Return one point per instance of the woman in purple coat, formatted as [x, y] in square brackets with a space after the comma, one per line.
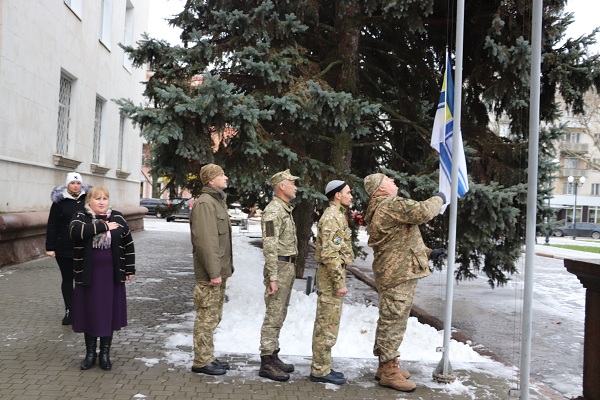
[104, 260]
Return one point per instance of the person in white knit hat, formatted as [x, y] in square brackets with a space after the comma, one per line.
[67, 199]
[333, 253]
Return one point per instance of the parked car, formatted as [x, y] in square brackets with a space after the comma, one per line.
[178, 209]
[236, 215]
[152, 205]
[586, 229]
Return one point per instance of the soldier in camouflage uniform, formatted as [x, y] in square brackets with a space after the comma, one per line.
[400, 260]
[213, 264]
[333, 253]
[280, 248]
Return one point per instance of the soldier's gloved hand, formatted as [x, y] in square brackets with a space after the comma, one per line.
[438, 254]
[442, 196]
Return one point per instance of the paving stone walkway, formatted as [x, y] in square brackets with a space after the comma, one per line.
[39, 358]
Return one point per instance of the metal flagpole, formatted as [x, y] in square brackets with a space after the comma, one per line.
[532, 182]
[443, 372]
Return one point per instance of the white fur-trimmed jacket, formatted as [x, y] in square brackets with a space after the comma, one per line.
[64, 206]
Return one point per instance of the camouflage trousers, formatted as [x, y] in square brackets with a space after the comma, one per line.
[276, 307]
[394, 309]
[208, 300]
[327, 325]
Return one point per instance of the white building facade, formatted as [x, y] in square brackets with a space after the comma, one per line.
[579, 157]
[61, 67]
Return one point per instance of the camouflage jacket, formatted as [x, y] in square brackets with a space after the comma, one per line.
[279, 235]
[398, 248]
[334, 244]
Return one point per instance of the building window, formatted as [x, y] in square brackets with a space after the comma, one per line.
[106, 22]
[76, 6]
[64, 108]
[121, 140]
[567, 188]
[571, 163]
[595, 189]
[593, 215]
[572, 137]
[97, 130]
[128, 36]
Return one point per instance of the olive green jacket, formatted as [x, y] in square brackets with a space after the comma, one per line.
[211, 236]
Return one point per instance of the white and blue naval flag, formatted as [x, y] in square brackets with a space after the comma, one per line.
[442, 138]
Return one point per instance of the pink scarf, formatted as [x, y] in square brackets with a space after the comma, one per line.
[101, 240]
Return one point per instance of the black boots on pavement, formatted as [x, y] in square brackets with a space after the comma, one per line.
[90, 352]
[104, 356]
[215, 367]
[273, 368]
[335, 377]
[67, 318]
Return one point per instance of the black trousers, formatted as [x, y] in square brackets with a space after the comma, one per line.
[66, 271]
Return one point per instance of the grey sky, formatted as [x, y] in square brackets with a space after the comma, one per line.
[586, 19]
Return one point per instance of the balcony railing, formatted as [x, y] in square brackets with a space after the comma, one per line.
[575, 172]
[568, 147]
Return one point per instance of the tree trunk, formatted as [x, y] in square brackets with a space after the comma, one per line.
[303, 216]
[341, 150]
[348, 41]
[156, 192]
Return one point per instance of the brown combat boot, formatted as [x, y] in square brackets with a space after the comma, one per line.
[391, 377]
[269, 370]
[403, 372]
[280, 364]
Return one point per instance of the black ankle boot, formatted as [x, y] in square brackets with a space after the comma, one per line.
[104, 355]
[67, 318]
[90, 352]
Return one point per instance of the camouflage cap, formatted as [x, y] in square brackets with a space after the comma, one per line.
[282, 176]
[210, 172]
[372, 183]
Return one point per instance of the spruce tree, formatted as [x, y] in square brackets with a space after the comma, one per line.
[340, 89]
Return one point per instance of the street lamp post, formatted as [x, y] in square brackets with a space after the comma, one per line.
[575, 185]
[555, 166]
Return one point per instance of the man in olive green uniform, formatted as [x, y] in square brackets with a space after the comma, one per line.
[400, 260]
[280, 248]
[213, 264]
[333, 253]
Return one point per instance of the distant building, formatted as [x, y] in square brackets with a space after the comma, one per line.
[61, 67]
[579, 156]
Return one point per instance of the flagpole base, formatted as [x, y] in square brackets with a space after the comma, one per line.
[440, 377]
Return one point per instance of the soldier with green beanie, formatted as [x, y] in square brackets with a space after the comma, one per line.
[333, 253]
[213, 264]
[400, 260]
[280, 248]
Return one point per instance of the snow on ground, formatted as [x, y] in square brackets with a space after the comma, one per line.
[239, 330]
